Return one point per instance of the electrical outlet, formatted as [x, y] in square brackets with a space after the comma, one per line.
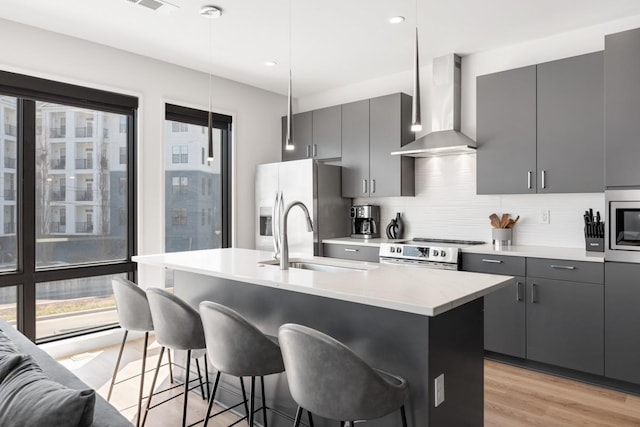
[439, 389]
[545, 216]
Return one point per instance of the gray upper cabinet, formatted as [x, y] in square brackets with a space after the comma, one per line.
[571, 125]
[371, 130]
[506, 132]
[327, 133]
[302, 136]
[390, 129]
[541, 128]
[355, 149]
[622, 103]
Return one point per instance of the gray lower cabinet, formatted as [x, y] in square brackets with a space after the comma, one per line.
[506, 132]
[622, 86]
[371, 130]
[622, 321]
[352, 252]
[565, 324]
[504, 309]
[505, 320]
[302, 136]
[570, 123]
[327, 133]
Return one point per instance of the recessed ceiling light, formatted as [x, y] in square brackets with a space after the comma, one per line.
[270, 63]
[396, 20]
[211, 11]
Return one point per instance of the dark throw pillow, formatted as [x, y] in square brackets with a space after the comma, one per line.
[28, 398]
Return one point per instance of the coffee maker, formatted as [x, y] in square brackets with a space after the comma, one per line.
[365, 221]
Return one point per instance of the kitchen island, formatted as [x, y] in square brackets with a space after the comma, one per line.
[415, 322]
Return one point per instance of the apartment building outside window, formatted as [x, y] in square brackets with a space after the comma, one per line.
[180, 154]
[62, 245]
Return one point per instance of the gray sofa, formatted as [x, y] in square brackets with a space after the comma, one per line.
[105, 415]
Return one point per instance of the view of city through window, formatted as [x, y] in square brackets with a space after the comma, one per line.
[80, 210]
[193, 214]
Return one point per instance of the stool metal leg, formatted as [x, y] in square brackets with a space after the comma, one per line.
[264, 403]
[206, 375]
[115, 371]
[170, 365]
[296, 421]
[144, 364]
[244, 396]
[186, 390]
[252, 397]
[404, 416]
[211, 399]
[310, 418]
[200, 379]
[153, 386]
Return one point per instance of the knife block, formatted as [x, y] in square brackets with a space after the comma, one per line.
[594, 244]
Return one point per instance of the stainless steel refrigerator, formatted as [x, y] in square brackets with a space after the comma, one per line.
[315, 184]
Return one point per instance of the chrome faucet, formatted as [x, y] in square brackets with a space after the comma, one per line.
[284, 244]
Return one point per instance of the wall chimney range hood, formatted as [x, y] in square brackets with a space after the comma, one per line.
[446, 139]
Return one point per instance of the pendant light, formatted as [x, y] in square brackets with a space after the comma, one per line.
[289, 145]
[416, 121]
[210, 12]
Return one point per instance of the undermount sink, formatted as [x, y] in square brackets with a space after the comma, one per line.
[316, 266]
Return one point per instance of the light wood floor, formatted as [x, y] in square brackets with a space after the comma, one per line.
[514, 397]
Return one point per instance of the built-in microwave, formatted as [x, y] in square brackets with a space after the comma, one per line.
[622, 234]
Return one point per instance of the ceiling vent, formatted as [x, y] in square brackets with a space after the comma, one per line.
[155, 4]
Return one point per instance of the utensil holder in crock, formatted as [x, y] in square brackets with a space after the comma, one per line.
[501, 237]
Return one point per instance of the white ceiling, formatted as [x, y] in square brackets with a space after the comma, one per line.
[333, 42]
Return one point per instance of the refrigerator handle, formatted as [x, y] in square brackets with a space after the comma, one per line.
[275, 226]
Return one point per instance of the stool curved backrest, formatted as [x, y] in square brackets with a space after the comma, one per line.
[235, 346]
[326, 378]
[132, 306]
[177, 324]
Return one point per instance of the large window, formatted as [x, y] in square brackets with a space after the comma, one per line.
[196, 193]
[68, 207]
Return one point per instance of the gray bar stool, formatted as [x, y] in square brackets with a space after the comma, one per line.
[133, 315]
[238, 348]
[177, 327]
[328, 379]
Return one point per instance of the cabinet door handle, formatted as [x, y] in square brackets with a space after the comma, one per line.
[364, 186]
[529, 175]
[315, 150]
[492, 261]
[350, 250]
[544, 179]
[563, 267]
[534, 294]
[307, 151]
[373, 185]
[519, 291]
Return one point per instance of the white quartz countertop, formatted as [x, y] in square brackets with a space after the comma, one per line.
[416, 290]
[568, 254]
[361, 242]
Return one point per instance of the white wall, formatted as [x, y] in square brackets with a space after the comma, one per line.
[446, 204]
[256, 113]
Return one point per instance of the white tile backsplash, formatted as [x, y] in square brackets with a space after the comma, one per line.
[446, 206]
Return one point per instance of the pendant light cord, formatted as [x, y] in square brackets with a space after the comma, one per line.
[210, 156]
[289, 145]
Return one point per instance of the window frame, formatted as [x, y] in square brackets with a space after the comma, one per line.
[28, 90]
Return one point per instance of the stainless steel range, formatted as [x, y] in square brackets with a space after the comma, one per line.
[442, 254]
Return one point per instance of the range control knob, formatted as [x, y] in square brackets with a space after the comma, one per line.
[392, 249]
[443, 253]
[435, 253]
[399, 250]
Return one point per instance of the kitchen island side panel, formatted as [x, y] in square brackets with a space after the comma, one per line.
[390, 340]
